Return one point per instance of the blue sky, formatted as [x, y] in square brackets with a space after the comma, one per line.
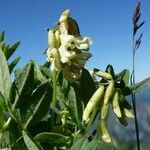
[107, 22]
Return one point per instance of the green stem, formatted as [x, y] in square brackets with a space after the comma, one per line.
[134, 97]
[13, 144]
[64, 100]
[54, 95]
[65, 120]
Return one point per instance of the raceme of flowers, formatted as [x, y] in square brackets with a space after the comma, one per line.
[67, 49]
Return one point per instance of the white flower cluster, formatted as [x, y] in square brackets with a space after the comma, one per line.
[67, 51]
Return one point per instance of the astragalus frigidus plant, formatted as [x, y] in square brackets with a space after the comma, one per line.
[55, 105]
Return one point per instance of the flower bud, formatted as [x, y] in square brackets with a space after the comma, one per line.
[64, 15]
[57, 36]
[51, 39]
[64, 21]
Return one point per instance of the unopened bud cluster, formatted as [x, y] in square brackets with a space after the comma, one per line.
[68, 50]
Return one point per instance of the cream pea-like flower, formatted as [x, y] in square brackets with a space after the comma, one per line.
[73, 48]
[68, 51]
[54, 58]
[78, 42]
[66, 55]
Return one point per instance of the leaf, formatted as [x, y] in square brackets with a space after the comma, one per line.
[126, 91]
[110, 70]
[141, 24]
[50, 137]
[1, 45]
[62, 80]
[125, 76]
[30, 143]
[92, 145]
[17, 71]
[87, 86]
[15, 136]
[38, 76]
[2, 35]
[5, 82]
[136, 87]
[38, 106]
[11, 50]
[2, 100]
[84, 144]
[5, 48]
[77, 144]
[72, 104]
[123, 121]
[2, 118]
[46, 72]
[124, 103]
[139, 39]
[13, 64]
[24, 84]
[63, 83]
[42, 126]
[46, 64]
[137, 17]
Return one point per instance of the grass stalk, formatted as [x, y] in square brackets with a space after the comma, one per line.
[134, 96]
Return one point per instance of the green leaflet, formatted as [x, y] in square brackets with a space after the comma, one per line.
[138, 86]
[38, 76]
[8, 51]
[11, 50]
[50, 137]
[73, 105]
[13, 64]
[5, 82]
[63, 85]
[84, 144]
[125, 76]
[2, 35]
[46, 72]
[30, 143]
[23, 84]
[2, 108]
[38, 106]
[30, 99]
[5, 47]
[123, 121]
[110, 70]
[15, 136]
[2, 119]
[87, 86]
